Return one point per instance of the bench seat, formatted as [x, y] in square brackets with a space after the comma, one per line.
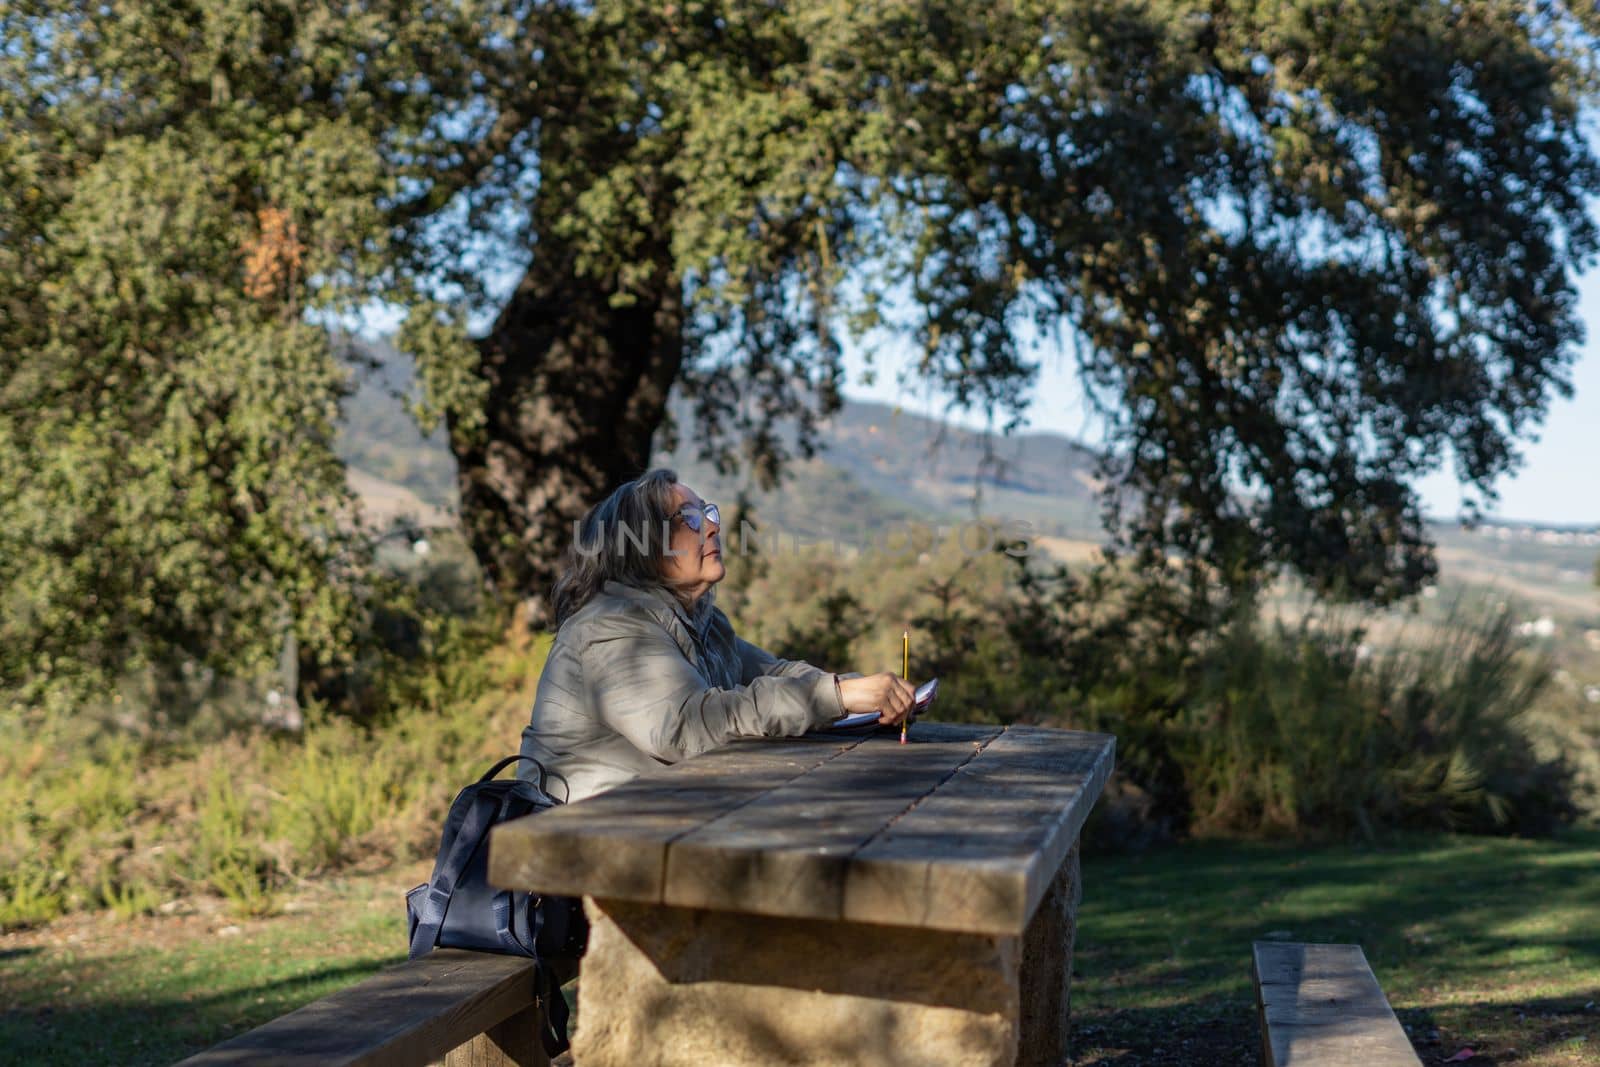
[465, 1007]
[1321, 1006]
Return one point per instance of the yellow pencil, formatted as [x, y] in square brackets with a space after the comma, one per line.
[905, 669]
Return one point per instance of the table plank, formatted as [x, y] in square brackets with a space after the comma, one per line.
[963, 829]
[614, 844]
[788, 852]
[980, 852]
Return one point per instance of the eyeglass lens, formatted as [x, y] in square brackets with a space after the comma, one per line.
[694, 517]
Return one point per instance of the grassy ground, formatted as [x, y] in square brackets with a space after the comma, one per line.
[1485, 944]
[91, 988]
[1492, 945]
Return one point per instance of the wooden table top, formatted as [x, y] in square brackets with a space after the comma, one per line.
[962, 829]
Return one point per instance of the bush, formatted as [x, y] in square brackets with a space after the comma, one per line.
[1225, 724]
[95, 820]
[1304, 730]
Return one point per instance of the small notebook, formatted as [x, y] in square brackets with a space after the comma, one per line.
[923, 698]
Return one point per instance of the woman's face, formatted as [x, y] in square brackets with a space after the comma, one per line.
[695, 563]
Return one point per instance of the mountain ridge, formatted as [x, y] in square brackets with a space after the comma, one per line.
[882, 464]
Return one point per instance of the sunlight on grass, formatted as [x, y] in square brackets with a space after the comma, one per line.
[1494, 940]
[1489, 943]
[159, 988]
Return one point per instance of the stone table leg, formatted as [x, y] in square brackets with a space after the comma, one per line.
[667, 986]
[1047, 970]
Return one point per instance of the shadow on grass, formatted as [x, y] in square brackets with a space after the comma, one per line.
[1207, 1033]
[1213, 1032]
[1486, 943]
[1549, 1029]
[17, 953]
[156, 1030]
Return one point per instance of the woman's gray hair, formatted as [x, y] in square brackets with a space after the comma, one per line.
[623, 538]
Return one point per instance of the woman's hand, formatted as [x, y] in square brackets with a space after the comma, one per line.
[885, 693]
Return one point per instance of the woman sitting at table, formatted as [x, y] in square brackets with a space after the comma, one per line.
[646, 670]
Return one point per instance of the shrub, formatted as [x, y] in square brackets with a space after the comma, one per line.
[1303, 730]
[229, 853]
[95, 820]
[1225, 724]
[334, 793]
[29, 895]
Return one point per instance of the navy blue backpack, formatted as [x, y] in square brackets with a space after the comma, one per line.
[458, 908]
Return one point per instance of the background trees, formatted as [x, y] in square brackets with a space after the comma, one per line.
[1301, 253]
[183, 189]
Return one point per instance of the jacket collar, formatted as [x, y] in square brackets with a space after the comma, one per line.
[653, 598]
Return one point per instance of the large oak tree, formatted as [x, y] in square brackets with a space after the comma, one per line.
[1305, 251]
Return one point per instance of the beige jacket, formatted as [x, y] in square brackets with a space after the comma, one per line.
[631, 685]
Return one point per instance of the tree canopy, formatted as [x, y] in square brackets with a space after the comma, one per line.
[1304, 252]
[183, 188]
[1301, 252]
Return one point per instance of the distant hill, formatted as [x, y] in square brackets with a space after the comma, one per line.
[879, 464]
[379, 439]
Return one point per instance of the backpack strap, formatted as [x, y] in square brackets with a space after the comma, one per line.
[431, 915]
[508, 761]
[480, 817]
[556, 1014]
[501, 905]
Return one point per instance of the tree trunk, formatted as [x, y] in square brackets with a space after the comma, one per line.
[577, 388]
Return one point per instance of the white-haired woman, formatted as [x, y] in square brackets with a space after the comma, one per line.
[646, 670]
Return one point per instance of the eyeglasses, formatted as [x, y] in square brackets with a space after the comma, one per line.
[694, 516]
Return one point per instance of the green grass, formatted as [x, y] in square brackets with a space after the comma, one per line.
[1487, 943]
[96, 989]
[1492, 944]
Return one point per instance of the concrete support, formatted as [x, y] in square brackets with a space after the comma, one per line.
[669, 986]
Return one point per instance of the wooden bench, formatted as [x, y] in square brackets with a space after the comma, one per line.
[1321, 1006]
[472, 1009]
[827, 899]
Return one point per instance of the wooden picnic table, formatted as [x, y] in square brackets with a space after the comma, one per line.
[827, 899]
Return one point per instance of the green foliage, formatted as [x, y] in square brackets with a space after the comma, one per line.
[831, 637]
[247, 884]
[1306, 730]
[188, 194]
[1317, 280]
[29, 895]
[95, 820]
[1347, 246]
[334, 798]
[1302, 249]
[228, 855]
[125, 900]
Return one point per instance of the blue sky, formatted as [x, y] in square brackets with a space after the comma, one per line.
[1558, 483]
